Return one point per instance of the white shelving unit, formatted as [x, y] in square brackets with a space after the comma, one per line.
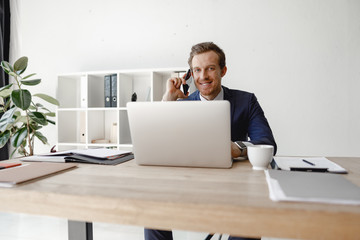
[82, 116]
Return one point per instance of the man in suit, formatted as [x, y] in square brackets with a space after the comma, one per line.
[208, 66]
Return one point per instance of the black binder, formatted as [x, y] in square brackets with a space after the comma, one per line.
[107, 90]
[114, 90]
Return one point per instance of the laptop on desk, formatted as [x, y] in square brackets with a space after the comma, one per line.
[181, 133]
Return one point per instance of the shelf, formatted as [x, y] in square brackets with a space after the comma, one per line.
[73, 124]
[130, 83]
[82, 116]
[96, 89]
[102, 124]
[68, 91]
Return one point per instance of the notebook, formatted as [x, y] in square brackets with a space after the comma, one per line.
[181, 133]
[311, 187]
[30, 171]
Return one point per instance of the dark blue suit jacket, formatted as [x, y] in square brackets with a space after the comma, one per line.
[247, 117]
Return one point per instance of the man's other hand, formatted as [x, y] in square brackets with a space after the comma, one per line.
[235, 151]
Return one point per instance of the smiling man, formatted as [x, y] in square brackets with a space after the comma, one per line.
[248, 122]
[208, 66]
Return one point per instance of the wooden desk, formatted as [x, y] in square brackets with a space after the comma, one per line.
[233, 201]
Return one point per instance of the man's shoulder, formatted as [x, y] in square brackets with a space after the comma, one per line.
[236, 93]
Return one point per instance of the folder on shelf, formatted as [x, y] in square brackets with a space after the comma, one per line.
[30, 171]
[103, 156]
[107, 90]
[307, 164]
[114, 90]
[311, 187]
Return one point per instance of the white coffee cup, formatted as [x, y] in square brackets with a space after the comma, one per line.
[260, 156]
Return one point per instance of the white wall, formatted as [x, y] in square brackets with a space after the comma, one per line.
[301, 58]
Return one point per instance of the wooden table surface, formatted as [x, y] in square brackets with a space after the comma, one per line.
[231, 201]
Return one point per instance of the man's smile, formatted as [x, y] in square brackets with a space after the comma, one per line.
[205, 83]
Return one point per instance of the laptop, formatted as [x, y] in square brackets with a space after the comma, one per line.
[181, 133]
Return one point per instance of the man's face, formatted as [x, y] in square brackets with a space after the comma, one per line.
[207, 74]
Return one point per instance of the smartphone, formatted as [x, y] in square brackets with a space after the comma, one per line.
[186, 77]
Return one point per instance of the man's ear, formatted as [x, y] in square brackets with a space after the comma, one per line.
[223, 71]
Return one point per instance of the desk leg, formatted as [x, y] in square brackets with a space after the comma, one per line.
[80, 230]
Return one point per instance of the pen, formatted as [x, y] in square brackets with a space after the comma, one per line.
[312, 164]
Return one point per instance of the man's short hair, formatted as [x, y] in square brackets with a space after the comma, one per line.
[206, 47]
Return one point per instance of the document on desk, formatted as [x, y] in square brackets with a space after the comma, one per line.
[97, 156]
[311, 187]
[315, 164]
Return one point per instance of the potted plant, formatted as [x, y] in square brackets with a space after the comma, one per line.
[22, 118]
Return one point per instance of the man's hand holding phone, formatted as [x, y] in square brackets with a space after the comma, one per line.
[173, 91]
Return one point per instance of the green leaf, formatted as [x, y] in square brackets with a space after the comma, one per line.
[38, 117]
[19, 137]
[11, 155]
[28, 76]
[4, 138]
[17, 114]
[22, 151]
[21, 119]
[7, 105]
[13, 74]
[21, 72]
[41, 137]
[18, 118]
[6, 87]
[50, 114]
[20, 64]
[47, 110]
[6, 66]
[47, 98]
[36, 127]
[5, 93]
[50, 121]
[31, 82]
[7, 119]
[21, 98]
[32, 108]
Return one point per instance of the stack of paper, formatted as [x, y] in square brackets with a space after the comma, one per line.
[311, 187]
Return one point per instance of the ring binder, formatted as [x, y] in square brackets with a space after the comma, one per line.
[113, 90]
[107, 90]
